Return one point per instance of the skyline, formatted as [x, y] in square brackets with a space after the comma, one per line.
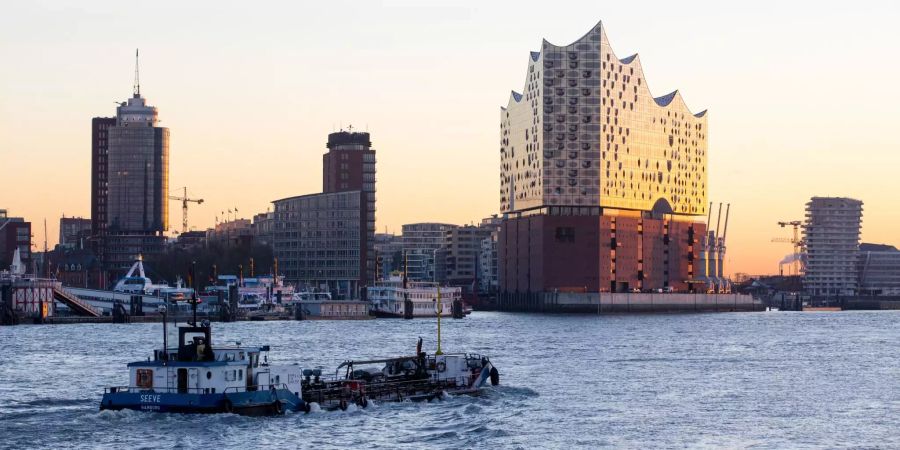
[768, 119]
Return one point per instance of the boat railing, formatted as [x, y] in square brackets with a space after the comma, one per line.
[347, 388]
[258, 387]
[206, 390]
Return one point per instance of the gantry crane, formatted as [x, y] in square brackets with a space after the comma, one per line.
[184, 199]
[795, 240]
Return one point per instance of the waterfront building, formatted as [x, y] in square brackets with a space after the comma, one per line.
[602, 185]
[327, 241]
[137, 209]
[15, 234]
[388, 254]
[463, 255]
[831, 234]
[319, 242]
[879, 270]
[487, 264]
[74, 232]
[423, 244]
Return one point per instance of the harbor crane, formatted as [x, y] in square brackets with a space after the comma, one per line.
[796, 241]
[184, 199]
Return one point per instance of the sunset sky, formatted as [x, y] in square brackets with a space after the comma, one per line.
[803, 100]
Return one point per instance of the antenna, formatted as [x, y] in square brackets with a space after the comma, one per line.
[137, 76]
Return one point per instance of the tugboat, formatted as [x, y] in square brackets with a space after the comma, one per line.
[195, 377]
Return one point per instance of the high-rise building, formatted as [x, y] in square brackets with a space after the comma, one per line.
[349, 165]
[327, 241]
[137, 210]
[15, 234]
[601, 184]
[99, 174]
[831, 234]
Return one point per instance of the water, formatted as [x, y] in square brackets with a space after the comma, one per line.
[760, 380]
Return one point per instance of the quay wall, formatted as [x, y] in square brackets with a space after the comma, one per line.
[607, 303]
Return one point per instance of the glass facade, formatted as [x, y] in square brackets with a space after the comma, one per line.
[586, 131]
[318, 241]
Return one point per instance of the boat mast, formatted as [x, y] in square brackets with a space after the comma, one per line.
[440, 306]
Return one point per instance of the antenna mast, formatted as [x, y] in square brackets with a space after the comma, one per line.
[137, 77]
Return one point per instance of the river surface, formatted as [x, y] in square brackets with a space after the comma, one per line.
[732, 380]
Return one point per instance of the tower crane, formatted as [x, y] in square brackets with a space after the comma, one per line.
[795, 240]
[184, 199]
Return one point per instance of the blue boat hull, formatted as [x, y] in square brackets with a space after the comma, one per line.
[263, 402]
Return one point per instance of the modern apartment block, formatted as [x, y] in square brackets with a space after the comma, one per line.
[388, 254]
[831, 234]
[327, 241]
[487, 264]
[423, 246]
[463, 255]
[602, 185]
[319, 242]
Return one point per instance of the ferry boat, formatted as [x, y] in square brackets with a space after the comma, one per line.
[136, 281]
[197, 377]
[389, 298]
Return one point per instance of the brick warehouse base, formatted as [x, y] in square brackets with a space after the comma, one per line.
[609, 303]
[597, 253]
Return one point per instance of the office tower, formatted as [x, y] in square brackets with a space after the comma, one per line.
[137, 210]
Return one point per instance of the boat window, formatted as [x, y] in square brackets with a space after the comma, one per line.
[240, 374]
[144, 378]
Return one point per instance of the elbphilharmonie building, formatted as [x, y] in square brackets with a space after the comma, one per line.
[602, 184]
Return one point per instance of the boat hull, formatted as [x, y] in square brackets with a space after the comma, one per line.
[254, 403]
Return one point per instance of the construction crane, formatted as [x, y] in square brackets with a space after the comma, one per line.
[795, 258]
[184, 199]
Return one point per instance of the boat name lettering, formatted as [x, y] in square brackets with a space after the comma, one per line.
[150, 398]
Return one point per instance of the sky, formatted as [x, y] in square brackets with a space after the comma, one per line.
[803, 100]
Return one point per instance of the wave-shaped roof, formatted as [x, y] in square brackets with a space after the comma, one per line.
[663, 101]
